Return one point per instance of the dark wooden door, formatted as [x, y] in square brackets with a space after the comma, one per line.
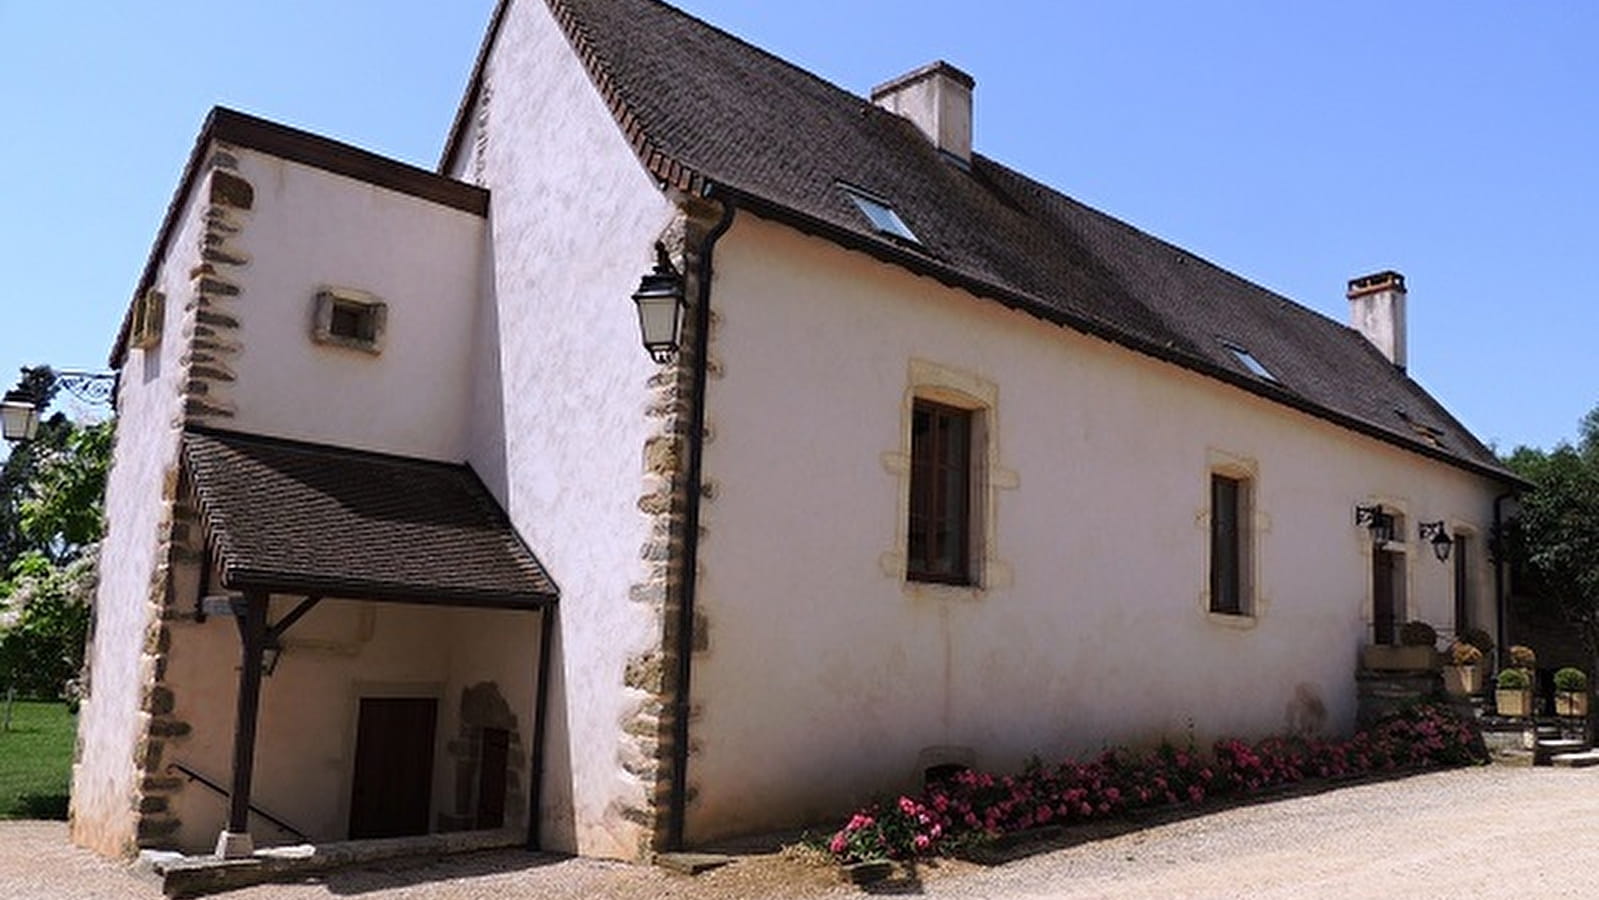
[1383, 612]
[393, 767]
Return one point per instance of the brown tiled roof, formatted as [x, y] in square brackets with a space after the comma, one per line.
[706, 111]
[304, 518]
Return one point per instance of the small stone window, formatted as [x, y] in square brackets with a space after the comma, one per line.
[351, 319]
[148, 312]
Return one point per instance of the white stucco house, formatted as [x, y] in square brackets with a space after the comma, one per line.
[408, 534]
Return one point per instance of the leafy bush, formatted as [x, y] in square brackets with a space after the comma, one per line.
[1571, 681]
[1464, 654]
[1514, 680]
[1418, 634]
[976, 806]
[1522, 657]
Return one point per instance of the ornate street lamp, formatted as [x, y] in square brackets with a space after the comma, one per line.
[660, 307]
[19, 412]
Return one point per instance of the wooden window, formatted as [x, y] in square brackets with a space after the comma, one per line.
[939, 543]
[1229, 545]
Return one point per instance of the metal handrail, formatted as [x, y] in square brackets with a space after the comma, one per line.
[219, 789]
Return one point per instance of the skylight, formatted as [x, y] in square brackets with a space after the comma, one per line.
[1250, 362]
[881, 215]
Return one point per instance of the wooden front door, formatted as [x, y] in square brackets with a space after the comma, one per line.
[1383, 607]
[393, 767]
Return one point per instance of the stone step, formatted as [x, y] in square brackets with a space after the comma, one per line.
[1547, 749]
[1581, 760]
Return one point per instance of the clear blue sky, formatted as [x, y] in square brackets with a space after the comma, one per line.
[1297, 144]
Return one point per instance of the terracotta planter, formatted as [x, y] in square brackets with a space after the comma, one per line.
[1513, 702]
[1393, 658]
[1462, 681]
[1571, 703]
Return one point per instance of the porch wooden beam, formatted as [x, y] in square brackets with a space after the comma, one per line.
[293, 615]
[253, 634]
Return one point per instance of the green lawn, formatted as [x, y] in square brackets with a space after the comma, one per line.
[36, 760]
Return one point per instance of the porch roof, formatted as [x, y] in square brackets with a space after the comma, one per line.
[293, 517]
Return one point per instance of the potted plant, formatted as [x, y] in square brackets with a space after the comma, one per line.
[1416, 650]
[1522, 657]
[1514, 694]
[1571, 692]
[1463, 675]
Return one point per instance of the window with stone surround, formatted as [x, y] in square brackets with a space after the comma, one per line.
[149, 311]
[352, 319]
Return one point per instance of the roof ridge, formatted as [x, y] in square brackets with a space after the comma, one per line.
[787, 64]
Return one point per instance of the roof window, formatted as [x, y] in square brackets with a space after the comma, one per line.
[881, 215]
[1249, 361]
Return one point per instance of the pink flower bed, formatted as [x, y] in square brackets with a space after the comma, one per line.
[974, 806]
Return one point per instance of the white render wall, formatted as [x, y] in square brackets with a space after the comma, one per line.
[141, 484]
[560, 392]
[827, 675]
[310, 229]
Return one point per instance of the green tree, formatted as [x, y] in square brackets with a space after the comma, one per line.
[51, 517]
[1554, 542]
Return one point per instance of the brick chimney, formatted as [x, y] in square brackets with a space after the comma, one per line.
[1377, 310]
[938, 98]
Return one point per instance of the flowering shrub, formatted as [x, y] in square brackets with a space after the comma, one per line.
[978, 805]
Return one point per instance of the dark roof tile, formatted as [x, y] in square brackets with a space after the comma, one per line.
[302, 518]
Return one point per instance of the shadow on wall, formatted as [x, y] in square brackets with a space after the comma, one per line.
[1305, 714]
[487, 420]
[559, 826]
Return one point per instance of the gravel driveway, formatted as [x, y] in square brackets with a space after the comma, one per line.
[1489, 832]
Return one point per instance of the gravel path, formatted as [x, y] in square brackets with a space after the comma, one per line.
[1491, 832]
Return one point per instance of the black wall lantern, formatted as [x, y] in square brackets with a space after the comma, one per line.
[660, 307]
[1437, 534]
[1376, 520]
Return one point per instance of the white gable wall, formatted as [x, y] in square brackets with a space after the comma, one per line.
[827, 676]
[561, 389]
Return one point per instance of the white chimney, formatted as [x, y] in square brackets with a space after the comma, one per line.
[938, 98]
[1377, 310]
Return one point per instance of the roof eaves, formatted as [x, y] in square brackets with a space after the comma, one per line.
[921, 264]
[241, 579]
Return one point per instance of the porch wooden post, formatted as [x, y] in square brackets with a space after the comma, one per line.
[235, 841]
